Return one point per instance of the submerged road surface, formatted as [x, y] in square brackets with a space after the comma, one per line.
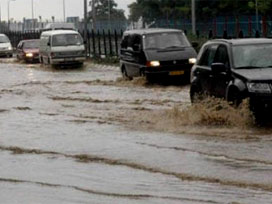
[87, 136]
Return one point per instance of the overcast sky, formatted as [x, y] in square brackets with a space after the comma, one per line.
[48, 8]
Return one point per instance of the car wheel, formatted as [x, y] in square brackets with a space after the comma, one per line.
[41, 59]
[234, 97]
[196, 94]
[124, 74]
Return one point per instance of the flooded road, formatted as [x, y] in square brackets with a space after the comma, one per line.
[87, 136]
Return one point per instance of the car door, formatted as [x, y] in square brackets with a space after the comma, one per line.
[126, 54]
[131, 53]
[203, 69]
[221, 80]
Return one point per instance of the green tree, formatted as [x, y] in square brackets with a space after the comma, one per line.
[105, 9]
[163, 9]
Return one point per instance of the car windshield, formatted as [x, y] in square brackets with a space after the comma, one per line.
[4, 39]
[252, 56]
[165, 41]
[32, 44]
[66, 39]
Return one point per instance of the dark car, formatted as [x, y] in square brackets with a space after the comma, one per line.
[28, 50]
[150, 52]
[235, 70]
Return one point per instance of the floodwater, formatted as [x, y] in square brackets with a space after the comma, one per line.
[86, 136]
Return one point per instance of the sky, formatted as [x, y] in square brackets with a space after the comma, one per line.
[47, 8]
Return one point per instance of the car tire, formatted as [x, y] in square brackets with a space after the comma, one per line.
[41, 60]
[234, 97]
[196, 94]
[124, 74]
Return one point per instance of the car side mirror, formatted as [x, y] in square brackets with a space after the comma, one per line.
[218, 68]
[48, 44]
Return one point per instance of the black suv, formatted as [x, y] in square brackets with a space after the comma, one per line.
[235, 70]
[150, 52]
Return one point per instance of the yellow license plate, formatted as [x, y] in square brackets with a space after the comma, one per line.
[174, 73]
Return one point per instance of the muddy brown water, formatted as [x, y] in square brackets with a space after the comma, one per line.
[86, 136]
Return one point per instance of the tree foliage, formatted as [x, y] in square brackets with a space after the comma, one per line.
[151, 10]
[105, 9]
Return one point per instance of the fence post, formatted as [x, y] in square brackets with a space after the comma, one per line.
[214, 27]
[210, 34]
[249, 26]
[237, 26]
[264, 26]
[104, 42]
[116, 43]
[110, 44]
[99, 45]
[93, 38]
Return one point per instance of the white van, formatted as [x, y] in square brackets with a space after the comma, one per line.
[5, 46]
[61, 47]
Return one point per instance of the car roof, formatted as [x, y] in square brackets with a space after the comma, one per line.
[30, 40]
[58, 32]
[244, 41]
[2, 34]
[151, 31]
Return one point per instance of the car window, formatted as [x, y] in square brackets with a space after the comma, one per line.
[31, 44]
[136, 40]
[66, 39]
[124, 43]
[4, 39]
[208, 56]
[221, 56]
[165, 40]
[256, 55]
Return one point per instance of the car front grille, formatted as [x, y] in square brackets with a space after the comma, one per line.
[174, 62]
[70, 53]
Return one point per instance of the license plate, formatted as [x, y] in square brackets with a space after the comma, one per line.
[69, 59]
[174, 73]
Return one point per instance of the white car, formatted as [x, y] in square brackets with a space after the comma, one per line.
[5, 46]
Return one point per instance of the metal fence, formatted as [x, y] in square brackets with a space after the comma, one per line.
[218, 27]
[99, 44]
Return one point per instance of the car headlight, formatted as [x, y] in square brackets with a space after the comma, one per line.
[192, 60]
[153, 64]
[258, 87]
[29, 54]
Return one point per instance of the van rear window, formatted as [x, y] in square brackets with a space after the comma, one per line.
[66, 39]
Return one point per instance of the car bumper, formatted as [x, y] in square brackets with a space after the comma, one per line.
[6, 52]
[260, 101]
[31, 59]
[70, 60]
[178, 70]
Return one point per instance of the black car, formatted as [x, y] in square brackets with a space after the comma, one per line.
[235, 69]
[150, 52]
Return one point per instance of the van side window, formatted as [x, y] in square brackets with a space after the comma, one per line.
[208, 56]
[137, 42]
[124, 43]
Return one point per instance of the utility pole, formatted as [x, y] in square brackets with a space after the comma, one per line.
[33, 24]
[193, 18]
[85, 26]
[64, 15]
[257, 15]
